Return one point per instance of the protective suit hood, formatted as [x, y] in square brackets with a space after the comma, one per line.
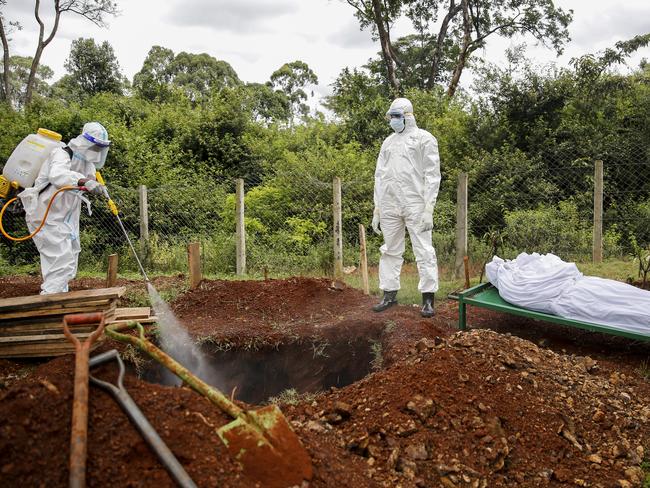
[92, 144]
[404, 106]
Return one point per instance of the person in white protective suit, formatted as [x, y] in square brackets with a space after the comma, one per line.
[58, 240]
[546, 283]
[407, 179]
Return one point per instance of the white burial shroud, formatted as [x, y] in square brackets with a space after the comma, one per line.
[547, 284]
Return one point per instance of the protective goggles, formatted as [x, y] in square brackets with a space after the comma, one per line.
[396, 114]
[94, 140]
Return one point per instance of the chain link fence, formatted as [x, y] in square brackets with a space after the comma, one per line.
[515, 203]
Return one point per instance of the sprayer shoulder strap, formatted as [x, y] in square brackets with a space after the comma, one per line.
[67, 150]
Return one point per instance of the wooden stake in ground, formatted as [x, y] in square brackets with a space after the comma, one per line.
[363, 259]
[194, 264]
[597, 251]
[337, 231]
[111, 274]
[240, 234]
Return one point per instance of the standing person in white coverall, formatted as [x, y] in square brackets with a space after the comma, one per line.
[58, 240]
[407, 180]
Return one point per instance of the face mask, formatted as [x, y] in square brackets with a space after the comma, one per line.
[397, 124]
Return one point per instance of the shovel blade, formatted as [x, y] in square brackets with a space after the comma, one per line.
[268, 449]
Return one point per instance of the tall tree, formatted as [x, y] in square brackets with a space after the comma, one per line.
[92, 68]
[153, 80]
[195, 74]
[458, 28]
[19, 68]
[5, 31]
[292, 78]
[92, 10]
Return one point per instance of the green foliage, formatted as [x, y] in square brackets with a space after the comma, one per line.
[558, 230]
[19, 68]
[194, 76]
[291, 79]
[92, 69]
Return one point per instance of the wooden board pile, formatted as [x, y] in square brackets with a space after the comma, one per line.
[32, 326]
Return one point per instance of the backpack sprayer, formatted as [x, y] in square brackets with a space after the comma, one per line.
[21, 171]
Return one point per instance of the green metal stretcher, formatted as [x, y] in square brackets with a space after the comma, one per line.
[487, 296]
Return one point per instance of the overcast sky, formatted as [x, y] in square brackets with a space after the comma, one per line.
[257, 36]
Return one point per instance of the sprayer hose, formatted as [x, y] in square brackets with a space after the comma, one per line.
[47, 211]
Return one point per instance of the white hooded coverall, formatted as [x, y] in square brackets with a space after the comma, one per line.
[58, 240]
[407, 180]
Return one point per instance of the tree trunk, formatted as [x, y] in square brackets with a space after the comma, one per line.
[386, 49]
[5, 62]
[464, 52]
[42, 44]
[442, 34]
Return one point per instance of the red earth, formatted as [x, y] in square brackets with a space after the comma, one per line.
[387, 399]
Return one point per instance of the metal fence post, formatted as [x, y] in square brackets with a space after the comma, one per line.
[144, 222]
[461, 224]
[240, 244]
[597, 250]
[337, 234]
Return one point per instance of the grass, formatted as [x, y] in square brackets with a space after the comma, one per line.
[377, 355]
[644, 369]
[292, 397]
[645, 466]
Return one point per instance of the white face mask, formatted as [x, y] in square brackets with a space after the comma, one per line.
[397, 124]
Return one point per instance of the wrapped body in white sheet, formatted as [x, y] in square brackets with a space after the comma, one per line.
[547, 284]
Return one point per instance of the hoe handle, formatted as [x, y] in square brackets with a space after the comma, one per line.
[79, 432]
[211, 393]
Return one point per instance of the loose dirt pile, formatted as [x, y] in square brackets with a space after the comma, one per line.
[439, 408]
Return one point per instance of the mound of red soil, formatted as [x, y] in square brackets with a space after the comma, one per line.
[442, 408]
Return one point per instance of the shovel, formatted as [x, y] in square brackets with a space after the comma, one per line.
[79, 433]
[165, 455]
[261, 440]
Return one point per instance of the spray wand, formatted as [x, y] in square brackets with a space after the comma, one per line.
[113, 208]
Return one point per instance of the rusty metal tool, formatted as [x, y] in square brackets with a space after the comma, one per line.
[261, 440]
[79, 435]
[122, 397]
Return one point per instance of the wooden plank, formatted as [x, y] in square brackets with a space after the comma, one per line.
[70, 308]
[39, 338]
[150, 320]
[132, 313]
[46, 350]
[35, 329]
[38, 301]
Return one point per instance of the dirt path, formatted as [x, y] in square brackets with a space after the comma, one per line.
[387, 400]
